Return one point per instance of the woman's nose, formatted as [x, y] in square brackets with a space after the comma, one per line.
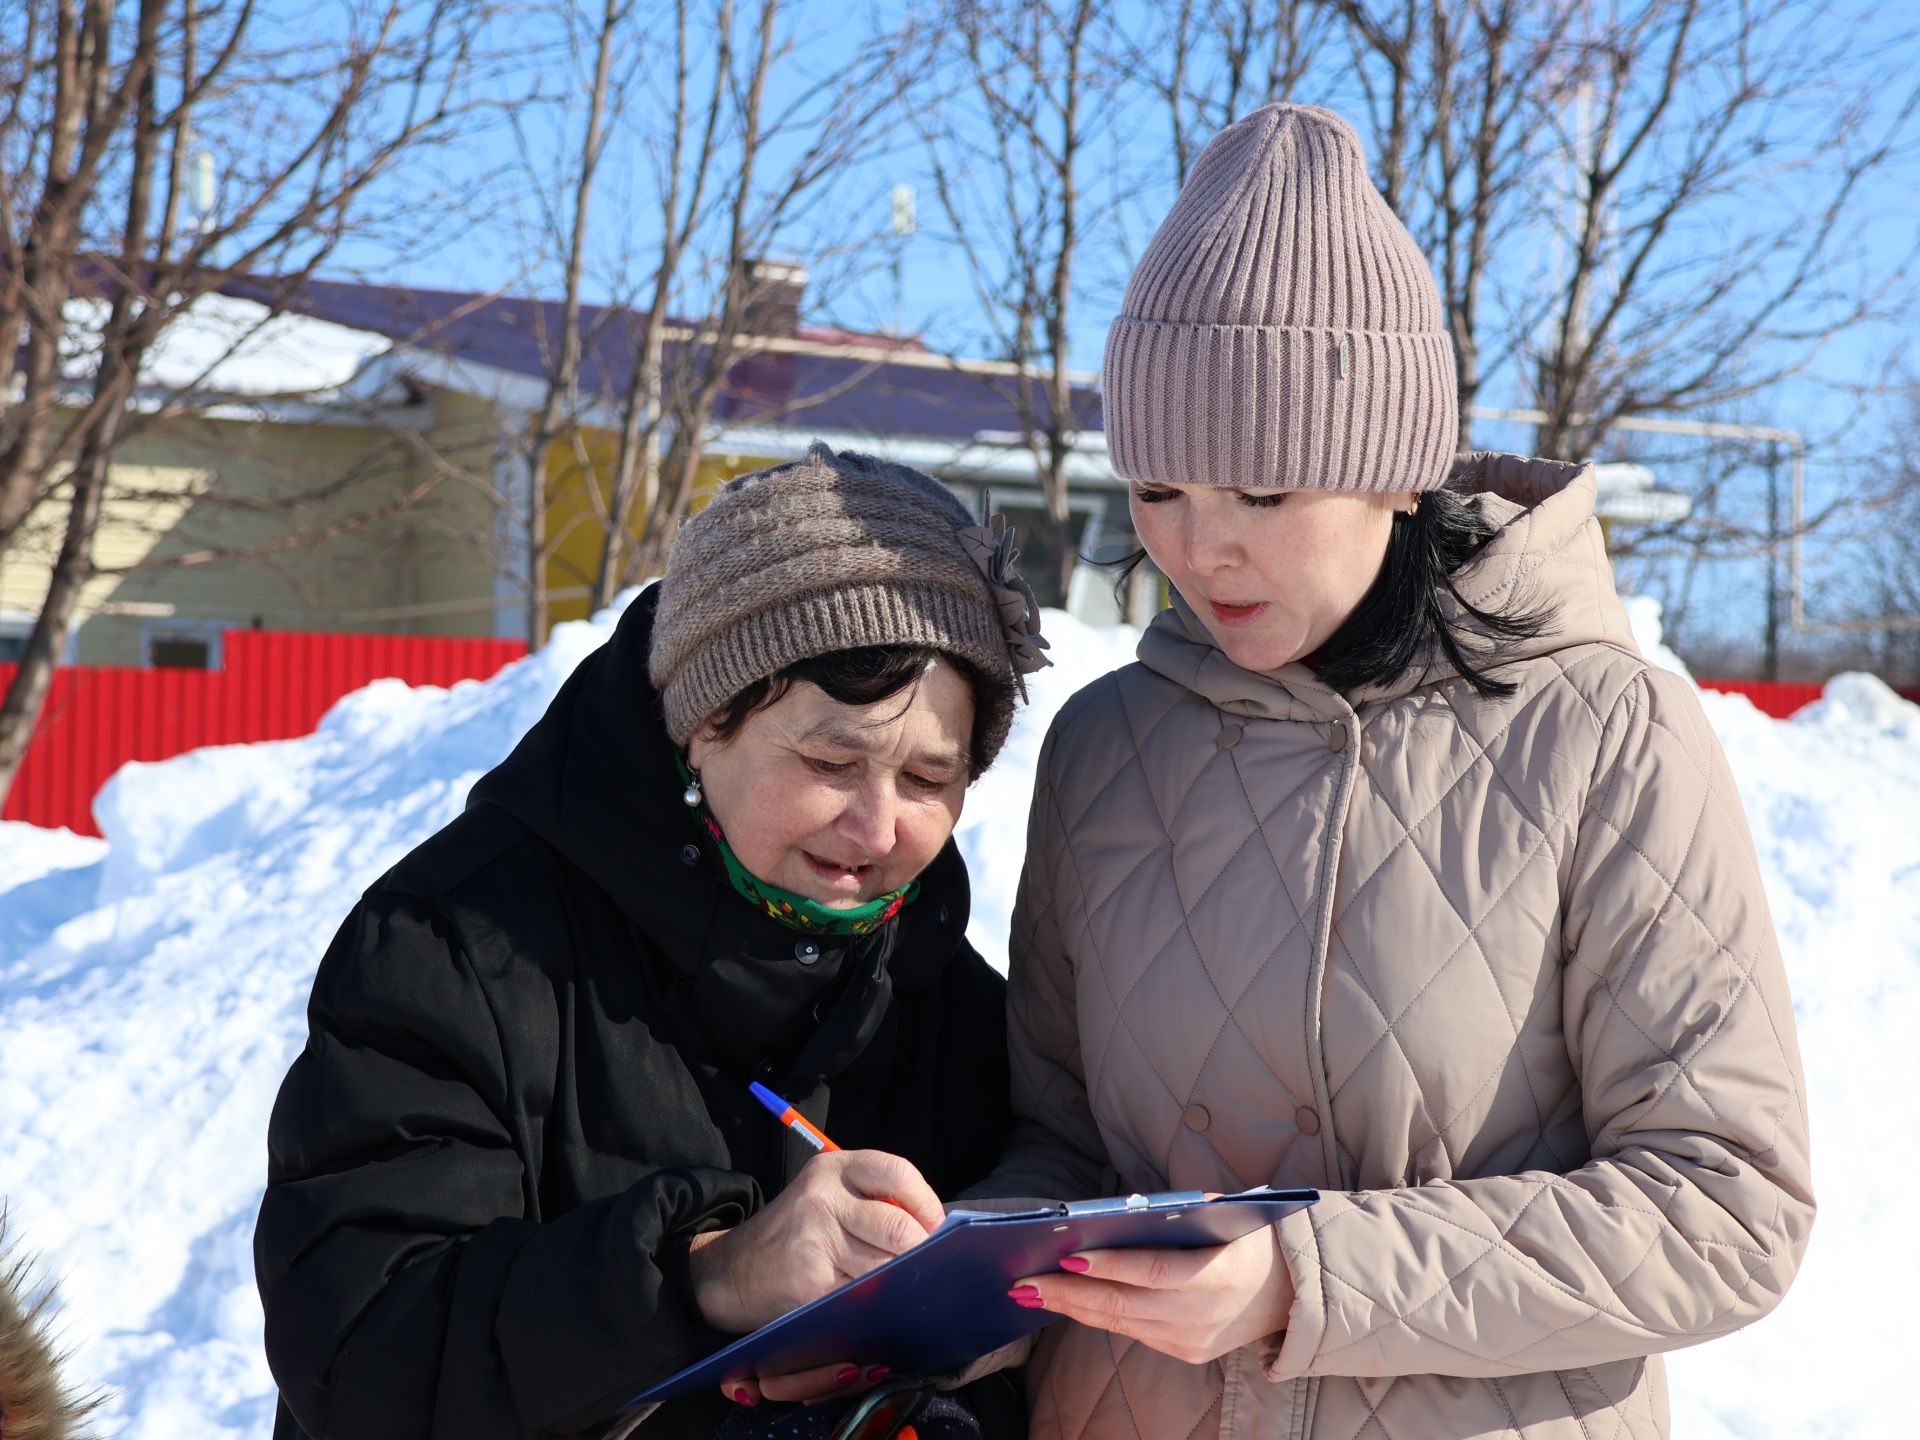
[1212, 542]
[869, 820]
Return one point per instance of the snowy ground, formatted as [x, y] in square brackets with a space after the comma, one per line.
[152, 988]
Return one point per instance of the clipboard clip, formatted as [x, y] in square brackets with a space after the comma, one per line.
[1133, 1204]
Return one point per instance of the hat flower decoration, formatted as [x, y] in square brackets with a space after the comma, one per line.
[994, 549]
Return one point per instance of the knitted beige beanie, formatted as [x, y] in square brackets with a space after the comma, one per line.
[1282, 328]
[833, 552]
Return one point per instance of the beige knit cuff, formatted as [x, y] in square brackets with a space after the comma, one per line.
[1292, 407]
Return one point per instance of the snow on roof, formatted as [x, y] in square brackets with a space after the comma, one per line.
[824, 377]
[229, 345]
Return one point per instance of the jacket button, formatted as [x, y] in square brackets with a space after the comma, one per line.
[1196, 1118]
[689, 854]
[1308, 1119]
[1228, 737]
[1338, 739]
[806, 952]
[941, 918]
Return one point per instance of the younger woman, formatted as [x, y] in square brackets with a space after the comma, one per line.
[1391, 868]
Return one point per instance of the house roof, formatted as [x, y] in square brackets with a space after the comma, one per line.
[822, 378]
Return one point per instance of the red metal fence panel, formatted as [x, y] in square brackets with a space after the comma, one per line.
[1775, 698]
[272, 685]
[1770, 697]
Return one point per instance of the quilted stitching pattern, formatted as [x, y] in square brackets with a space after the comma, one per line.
[1547, 1050]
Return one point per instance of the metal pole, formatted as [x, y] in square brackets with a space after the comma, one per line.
[1770, 666]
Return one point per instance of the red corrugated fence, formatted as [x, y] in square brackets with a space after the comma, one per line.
[1775, 698]
[272, 685]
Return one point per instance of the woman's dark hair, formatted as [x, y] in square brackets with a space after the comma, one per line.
[869, 675]
[1402, 619]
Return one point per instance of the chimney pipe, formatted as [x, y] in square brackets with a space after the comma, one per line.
[774, 288]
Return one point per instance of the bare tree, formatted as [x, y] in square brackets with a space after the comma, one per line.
[559, 407]
[731, 153]
[1209, 62]
[682, 173]
[99, 123]
[1720, 153]
[1010, 158]
[1647, 208]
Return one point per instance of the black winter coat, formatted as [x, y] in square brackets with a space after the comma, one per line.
[525, 1088]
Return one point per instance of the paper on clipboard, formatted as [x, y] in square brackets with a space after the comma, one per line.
[944, 1304]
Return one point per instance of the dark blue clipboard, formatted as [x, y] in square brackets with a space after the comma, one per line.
[944, 1303]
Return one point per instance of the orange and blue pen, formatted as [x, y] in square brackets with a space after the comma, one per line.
[792, 1118]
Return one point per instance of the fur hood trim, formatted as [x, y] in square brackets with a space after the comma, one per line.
[35, 1404]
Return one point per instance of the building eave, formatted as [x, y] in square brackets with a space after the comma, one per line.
[971, 459]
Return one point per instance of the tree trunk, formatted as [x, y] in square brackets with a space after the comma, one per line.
[27, 696]
[636, 474]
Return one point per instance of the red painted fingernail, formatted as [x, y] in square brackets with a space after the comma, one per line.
[1036, 1303]
[1024, 1292]
[1077, 1265]
[878, 1373]
[846, 1375]
[744, 1396]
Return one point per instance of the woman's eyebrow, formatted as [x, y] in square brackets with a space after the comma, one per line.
[836, 733]
[947, 764]
[833, 731]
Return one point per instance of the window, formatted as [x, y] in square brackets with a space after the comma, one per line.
[180, 652]
[182, 645]
[14, 630]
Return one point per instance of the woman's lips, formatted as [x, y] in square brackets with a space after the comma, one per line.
[848, 876]
[1236, 614]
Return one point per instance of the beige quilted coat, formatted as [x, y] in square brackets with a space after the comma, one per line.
[1497, 976]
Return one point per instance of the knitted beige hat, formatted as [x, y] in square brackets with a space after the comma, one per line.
[834, 552]
[1282, 328]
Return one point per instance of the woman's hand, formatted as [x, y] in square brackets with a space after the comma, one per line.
[833, 1224]
[1194, 1305]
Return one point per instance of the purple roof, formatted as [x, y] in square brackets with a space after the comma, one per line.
[872, 393]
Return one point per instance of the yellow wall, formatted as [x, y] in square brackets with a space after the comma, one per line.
[433, 569]
[146, 501]
[575, 532]
[212, 484]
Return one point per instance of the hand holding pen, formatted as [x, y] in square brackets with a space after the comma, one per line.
[846, 1212]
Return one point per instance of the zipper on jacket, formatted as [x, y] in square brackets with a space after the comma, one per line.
[1347, 753]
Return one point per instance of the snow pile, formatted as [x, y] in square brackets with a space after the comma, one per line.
[1832, 795]
[152, 990]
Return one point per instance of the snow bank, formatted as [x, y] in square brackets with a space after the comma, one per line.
[152, 990]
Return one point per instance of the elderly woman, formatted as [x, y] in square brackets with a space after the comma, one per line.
[1391, 868]
[517, 1175]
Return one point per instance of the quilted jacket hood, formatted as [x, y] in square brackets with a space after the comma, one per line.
[1547, 554]
[1494, 974]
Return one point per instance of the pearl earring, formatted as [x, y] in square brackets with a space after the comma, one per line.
[690, 797]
